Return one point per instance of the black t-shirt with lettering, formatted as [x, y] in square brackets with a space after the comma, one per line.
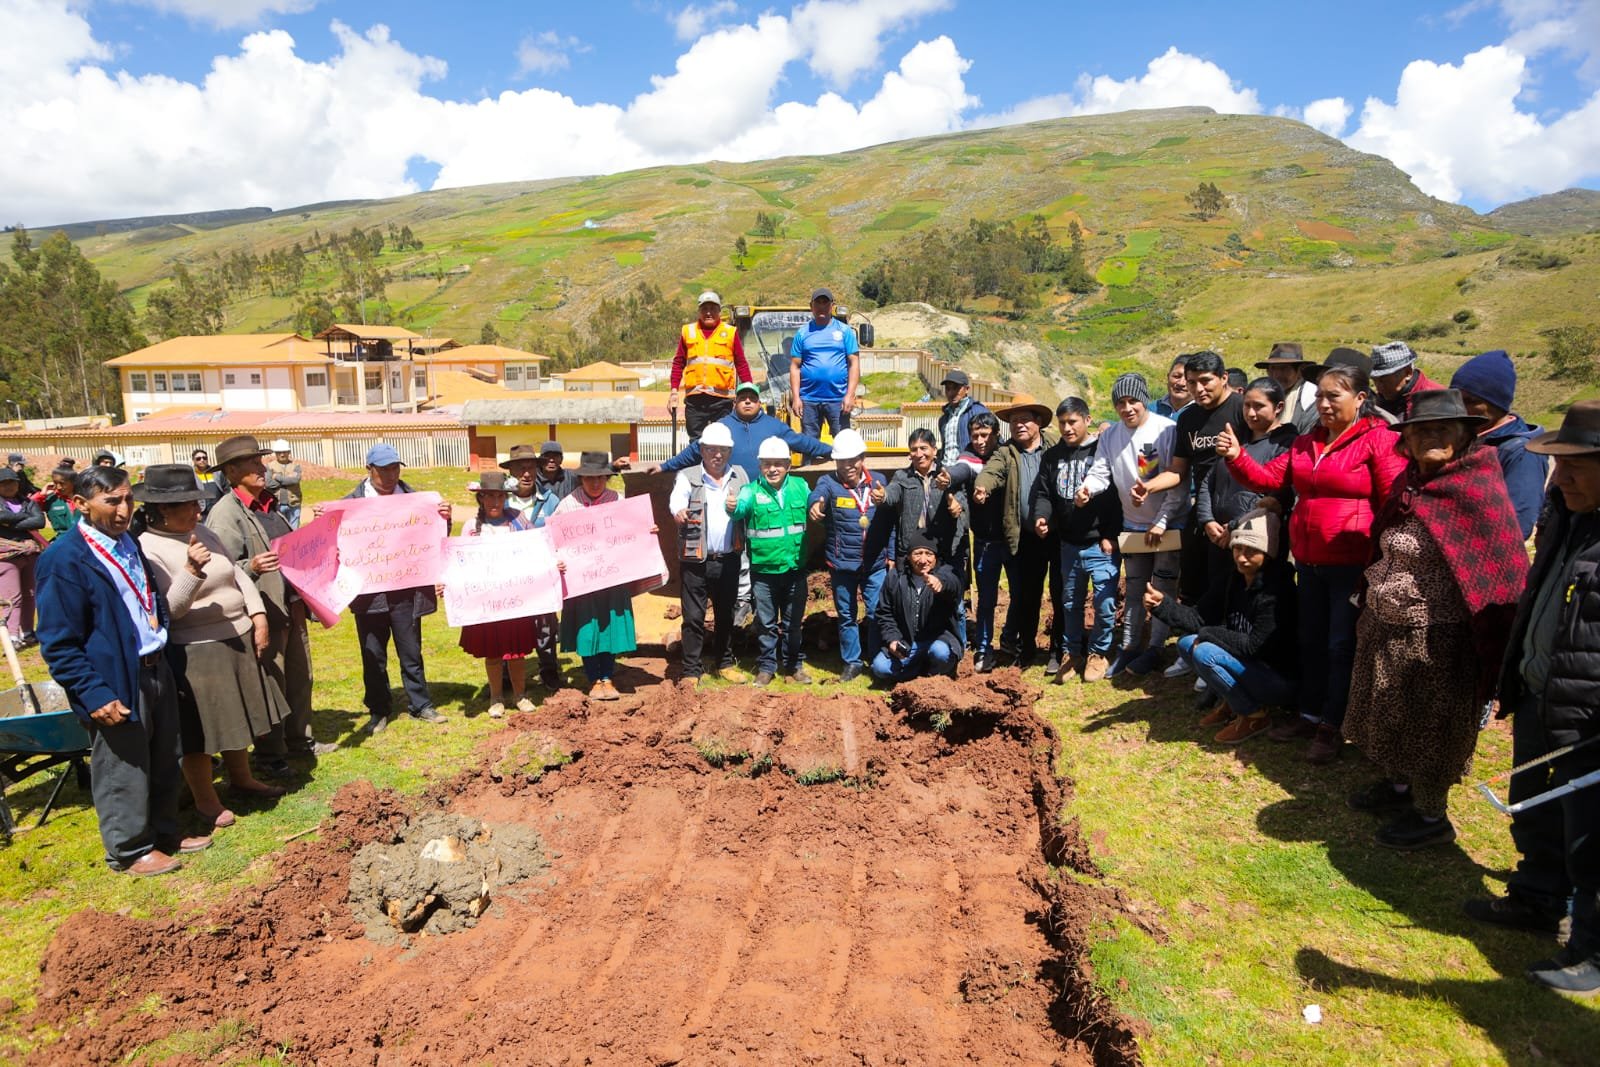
[1199, 428]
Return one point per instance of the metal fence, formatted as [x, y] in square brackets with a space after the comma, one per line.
[447, 449]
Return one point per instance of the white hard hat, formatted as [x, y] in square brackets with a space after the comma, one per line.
[716, 434]
[774, 448]
[847, 444]
[708, 297]
[280, 445]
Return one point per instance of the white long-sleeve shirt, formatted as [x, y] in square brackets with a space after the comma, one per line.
[1126, 456]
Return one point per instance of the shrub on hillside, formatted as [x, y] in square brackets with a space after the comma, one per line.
[1573, 352]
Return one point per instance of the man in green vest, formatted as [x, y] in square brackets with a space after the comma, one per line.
[773, 510]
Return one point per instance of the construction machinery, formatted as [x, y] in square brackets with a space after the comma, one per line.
[766, 332]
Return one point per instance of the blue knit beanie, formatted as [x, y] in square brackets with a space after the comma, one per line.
[1130, 384]
[1491, 376]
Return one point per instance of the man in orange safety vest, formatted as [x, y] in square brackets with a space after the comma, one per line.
[708, 367]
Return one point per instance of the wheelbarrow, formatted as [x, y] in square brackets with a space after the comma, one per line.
[38, 731]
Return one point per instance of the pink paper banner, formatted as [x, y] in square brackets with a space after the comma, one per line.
[607, 546]
[309, 559]
[500, 576]
[391, 542]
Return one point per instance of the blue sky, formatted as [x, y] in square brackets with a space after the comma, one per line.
[221, 103]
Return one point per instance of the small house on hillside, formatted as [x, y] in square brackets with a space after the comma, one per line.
[600, 377]
[608, 423]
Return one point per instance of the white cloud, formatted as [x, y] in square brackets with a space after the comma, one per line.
[1457, 130]
[546, 53]
[843, 38]
[694, 20]
[226, 13]
[1172, 79]
[1328, 115]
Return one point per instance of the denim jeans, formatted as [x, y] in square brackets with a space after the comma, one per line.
[780, 605]
[1081, 567]
[1327, 639]
[1245, 684]
[936, 657]
[1159, 569]
[815, 412]
[599, 666]
[988, 563]
[846, 586]
[291, 515]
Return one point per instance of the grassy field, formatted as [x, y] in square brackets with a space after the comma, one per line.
[1264, 892]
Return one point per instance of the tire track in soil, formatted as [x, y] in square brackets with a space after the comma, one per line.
[690, 915]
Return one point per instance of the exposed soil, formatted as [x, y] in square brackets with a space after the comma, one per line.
[702, 905]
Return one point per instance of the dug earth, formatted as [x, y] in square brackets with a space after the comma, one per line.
[682, 877]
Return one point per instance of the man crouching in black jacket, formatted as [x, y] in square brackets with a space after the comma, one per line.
[1241, 636]
[916, 616]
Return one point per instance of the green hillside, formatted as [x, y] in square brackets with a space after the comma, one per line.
[1313, 241]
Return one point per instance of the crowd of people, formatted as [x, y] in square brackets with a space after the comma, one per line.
[1365, 573]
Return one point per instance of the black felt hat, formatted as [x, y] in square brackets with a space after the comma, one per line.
[168, 483]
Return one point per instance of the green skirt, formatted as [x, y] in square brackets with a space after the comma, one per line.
[598, 622]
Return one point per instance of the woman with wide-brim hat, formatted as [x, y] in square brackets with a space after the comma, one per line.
[1439, 596]
[597, 626]
[218, 635]
[503, 644]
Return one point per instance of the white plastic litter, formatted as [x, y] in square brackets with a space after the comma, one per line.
[1312, 1013]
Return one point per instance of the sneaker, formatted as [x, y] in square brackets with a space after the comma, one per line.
[1514, 912]
[1242, 729]
[801, 676]
[1412, 831]
[524, 704]
[1204, 699]
[1325, 747]
[1053, 665]
[763, 679]
[1199, 685]
[1144, 662]
[733, 674]
[276, 768]
[983, 663]
[1220, 715]
[1095, 667]
[428, 715]
[1120, 664]
[1298, 728]
[497, 710]
[376, 723]
[851, 672]
[1381, 796]
[1179, 668]
[1577, 978]
[316, 748]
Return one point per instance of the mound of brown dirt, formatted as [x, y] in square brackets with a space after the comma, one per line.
[698, 909]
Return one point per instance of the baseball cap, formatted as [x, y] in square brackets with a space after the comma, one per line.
[548, 447]
[748, 387]
[382, 455]
[956, 377]
[817, 294]
[709, 297]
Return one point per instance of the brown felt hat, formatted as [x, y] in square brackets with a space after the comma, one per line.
[520, 453]
[1579, 434]
[244, 446]
[1025, 405]
[1438, 405]
[594, 464]
[1284, 354]
[490, 482]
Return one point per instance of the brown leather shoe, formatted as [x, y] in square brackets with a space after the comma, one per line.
[1094, 669]
[1298, 728]
[1069, 667]
[195, 844]
[1325, 746]
[1242, 729]
[1219, 715]
[151, 864]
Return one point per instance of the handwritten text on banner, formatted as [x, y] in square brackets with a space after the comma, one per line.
[503, 576]
[309, 559]
[608, 545]
[391, 542]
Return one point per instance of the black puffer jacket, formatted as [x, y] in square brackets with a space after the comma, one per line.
[910, 612]
[1255, 621]
[1570, 708]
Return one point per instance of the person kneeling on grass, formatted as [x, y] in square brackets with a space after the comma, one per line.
[504, 644]
[916, 617]
[773, 511]
[1241, 637]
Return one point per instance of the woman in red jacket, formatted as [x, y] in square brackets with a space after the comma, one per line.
[1341, 473]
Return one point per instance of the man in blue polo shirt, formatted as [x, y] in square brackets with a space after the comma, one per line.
[824, 369]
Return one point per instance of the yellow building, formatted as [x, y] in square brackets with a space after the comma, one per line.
[600, 377]
[609, 424]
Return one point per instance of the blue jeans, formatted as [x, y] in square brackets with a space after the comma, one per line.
[1327, 640]
[291, 515]
[1081, 567]
[1245, 684]
[846, 585]
[815, 412]
[780, 605]
[988, 564]
[936, 657]
[601, 666]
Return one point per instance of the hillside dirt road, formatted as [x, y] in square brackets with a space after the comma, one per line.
[905, 911]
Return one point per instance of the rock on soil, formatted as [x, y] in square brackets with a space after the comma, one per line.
[702, 904]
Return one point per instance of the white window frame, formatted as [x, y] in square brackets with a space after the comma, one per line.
[158, 382]
[316, 379]
[138, 382]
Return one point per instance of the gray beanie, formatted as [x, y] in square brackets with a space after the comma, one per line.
[1131, 385]
[1256, 529]
[1391, 357]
